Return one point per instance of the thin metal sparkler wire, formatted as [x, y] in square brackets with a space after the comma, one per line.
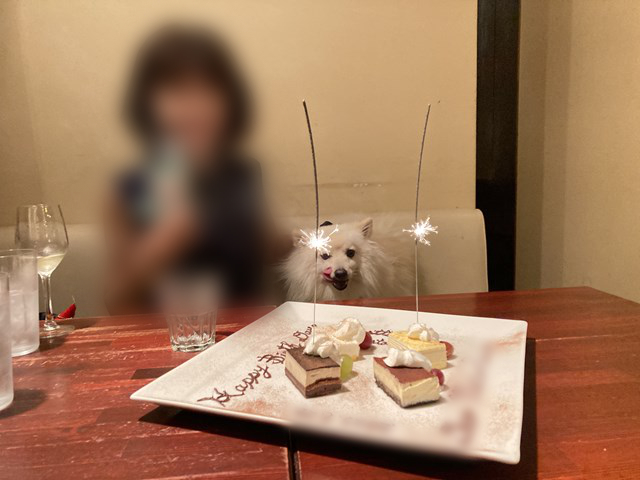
[315, 182]
[424, 136]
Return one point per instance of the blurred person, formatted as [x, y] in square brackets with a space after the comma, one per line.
[194, 203]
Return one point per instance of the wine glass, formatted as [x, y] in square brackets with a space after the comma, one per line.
[42, 228]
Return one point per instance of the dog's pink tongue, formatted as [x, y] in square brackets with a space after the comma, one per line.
[327, 272]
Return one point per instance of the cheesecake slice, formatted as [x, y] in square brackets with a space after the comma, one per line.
[406, 386]
[314, 376]
[435, 351]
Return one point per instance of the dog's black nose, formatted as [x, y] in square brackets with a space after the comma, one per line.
[341, 274]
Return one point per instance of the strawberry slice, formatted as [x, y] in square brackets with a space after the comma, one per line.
[366, 343]
[69, 312]
[440, 375]
[449, 348]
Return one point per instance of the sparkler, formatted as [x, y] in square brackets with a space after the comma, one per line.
[317, 240]
[421, 228]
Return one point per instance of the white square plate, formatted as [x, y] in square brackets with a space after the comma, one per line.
[479, 414]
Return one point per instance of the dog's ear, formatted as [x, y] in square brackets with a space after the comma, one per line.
[366, 227]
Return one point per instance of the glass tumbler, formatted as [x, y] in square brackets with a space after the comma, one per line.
[190, 306]
[6, 373]
[20, 266]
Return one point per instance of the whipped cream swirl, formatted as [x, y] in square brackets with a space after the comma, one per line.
[321, 345]
[350, 330]
[419, 331]
[407, 358]
[332, 341]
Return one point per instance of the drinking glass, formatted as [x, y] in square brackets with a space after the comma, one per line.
[42, 228]
[190, 308]
[6, 373]
[20, 268]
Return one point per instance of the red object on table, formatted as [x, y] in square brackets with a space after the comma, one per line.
[72, 416]
[69, 312]
[449, 348]
[367, 342]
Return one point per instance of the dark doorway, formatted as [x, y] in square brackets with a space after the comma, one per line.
[497, 134]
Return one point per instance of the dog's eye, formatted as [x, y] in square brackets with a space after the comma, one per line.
[351, 252]
[325, 256]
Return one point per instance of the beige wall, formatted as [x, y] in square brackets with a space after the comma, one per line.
[366, 67]
[579, 147]
[19, 175]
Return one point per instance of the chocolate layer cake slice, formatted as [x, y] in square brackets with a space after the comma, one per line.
[406, 386]
[312, 375]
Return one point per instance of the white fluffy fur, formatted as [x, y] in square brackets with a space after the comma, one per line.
[381, 266]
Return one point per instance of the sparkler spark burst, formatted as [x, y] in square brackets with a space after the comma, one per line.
[319, 240]
[421, 230]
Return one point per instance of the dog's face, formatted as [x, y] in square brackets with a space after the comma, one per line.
[348, 247]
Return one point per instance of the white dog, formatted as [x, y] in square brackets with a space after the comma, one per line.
[357, 265]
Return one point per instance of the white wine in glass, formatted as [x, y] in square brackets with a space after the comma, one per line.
[48, 263]
[42, 228]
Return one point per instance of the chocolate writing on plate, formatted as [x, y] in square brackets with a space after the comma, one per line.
[247, 383]
[384, 333]
[259, 372]
[381, 333]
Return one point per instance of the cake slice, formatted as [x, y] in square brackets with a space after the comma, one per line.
[435, 351]
[407, 386]
[314, 376]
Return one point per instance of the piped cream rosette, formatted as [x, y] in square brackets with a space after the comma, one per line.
[337, 340]
[407, 358]
[419, 331]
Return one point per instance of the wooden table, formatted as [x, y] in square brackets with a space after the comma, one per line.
[72, 417]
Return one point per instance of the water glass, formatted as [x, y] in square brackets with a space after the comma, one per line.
[6, 373]
[20, 266]
[190, 308]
